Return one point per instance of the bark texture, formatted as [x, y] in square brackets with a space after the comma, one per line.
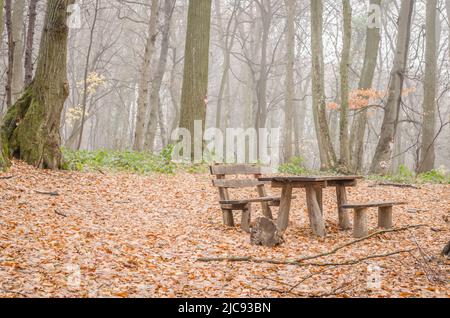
[196, 59]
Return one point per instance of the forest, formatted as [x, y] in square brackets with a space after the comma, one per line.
[125, 127]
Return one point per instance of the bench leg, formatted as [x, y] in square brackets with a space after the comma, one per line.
[360, 223]
[385, 217]
[228, 219]
[246, 217]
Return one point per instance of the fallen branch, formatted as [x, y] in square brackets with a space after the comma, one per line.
[306, 258]
[333, 251]
[60, 213]
[52, 194]
[397, 185]
[300, 264]
[6, 178]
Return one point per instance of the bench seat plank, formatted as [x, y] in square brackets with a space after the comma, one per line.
[256, 200]
[371, 205]
[238, 184]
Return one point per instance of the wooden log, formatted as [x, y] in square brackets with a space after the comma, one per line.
[360, 223]
[246, 217]
[285, 207]
[385, 217]
[344, 217]
[264, 232]
[315, 215]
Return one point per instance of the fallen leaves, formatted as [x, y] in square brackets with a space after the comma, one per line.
[124, 235]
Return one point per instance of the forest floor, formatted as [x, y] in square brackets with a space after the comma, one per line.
[73, 234]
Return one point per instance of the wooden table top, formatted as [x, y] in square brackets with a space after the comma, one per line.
[291, 179]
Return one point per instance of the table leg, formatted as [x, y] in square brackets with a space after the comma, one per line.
[319, 195]
[314, 212]
[344, 217]
[285, 207]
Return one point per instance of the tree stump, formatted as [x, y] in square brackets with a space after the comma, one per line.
[264, 232]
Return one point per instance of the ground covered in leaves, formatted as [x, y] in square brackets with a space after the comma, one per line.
[73, 234]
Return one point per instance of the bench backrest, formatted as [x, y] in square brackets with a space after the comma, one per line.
[222, 171]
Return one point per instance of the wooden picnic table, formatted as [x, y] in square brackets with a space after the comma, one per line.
[314, 191]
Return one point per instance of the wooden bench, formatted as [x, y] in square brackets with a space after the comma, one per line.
[360, 216]
[229, 205]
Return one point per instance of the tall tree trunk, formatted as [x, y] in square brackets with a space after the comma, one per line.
[29, 42]
[447, 5]
[1, 22]
[345, 90]
[290, 92]
[427, 153]
[383, 153]
[17, 33]
[196, 58]
[86, 74]
[144, 79]
[31, 127]
[155, 102]
[261, 87]
[9, 73]
[326, 150]
[373, 38]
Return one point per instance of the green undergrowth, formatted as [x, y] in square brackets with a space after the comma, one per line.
[126, 161]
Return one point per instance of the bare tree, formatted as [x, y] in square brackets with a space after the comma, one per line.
[17, 34]
[427, 152]
[326, 150]
[144, 78]
[383, 154]
[372, 47]
[345, 89]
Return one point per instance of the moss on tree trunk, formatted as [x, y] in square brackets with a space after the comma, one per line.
[30, 129]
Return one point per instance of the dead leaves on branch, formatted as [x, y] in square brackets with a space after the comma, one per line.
[120, 235]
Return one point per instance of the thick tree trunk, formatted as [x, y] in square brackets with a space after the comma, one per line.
[326, 150]
[373, 38]
[196, 59]
[17, 33]
[383, 154]
[155, 103]
[144, 78]
[427, 153]
[29, 42]
[345, 90]
[31, 127]
[290, 92]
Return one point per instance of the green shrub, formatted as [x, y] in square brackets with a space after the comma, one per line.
[435, 176]
[294, 167]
